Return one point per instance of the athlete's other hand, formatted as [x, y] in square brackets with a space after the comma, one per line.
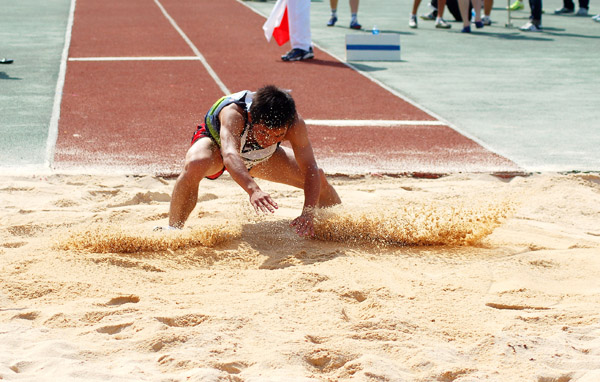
[262, 202]
[304, 225]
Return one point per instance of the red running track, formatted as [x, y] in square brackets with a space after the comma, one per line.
[138, 116]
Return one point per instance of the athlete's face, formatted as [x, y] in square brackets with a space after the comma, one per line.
[267, 137]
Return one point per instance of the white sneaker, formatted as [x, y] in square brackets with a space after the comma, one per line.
[443, 24]
[486, 20]
[531, 27]
[412, 22]
[596, 18]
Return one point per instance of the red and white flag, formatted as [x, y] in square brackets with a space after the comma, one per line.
[277, 25]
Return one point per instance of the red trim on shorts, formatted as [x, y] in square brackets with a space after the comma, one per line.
[202, 132]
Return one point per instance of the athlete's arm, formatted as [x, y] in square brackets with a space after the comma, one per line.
[303, 152]
[232, 126]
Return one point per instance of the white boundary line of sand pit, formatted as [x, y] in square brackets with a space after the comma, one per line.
[165, 58]
[60, 83]
[369, 122]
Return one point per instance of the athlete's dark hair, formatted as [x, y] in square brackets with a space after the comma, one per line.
[273, 107]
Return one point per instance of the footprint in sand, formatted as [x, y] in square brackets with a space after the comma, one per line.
[133, 299]
[207, 197]
[25, 230]
[327, 360]
[232, 367]
[187, 320]
[27, 316]
[16, 189]
[355, 295]
[114, 329]
[144, 198]
[17, 244]
[301, 258]
[156, 217]
[164, 341]
[103, 194]
[514, 306]
[370, 367]
[64, 203]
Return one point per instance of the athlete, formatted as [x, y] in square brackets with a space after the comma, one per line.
[242, 133]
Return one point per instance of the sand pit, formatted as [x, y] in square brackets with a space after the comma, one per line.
[462, 278]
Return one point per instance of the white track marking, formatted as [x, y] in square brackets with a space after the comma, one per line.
[403, 97]
[53, 128]
[423, 108]
[370, 122]
[166, 58]
[194, 49]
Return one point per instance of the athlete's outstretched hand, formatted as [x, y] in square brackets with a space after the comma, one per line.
[304, 225]
[262, 202]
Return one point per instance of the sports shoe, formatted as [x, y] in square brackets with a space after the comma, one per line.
[429, 16]
[582, 12]
[563, 11]
[531, 27]
[479, 24]
[298, 54]
[443, 24]
[486, 20]
[412, 22]
[466, 29]
[355, 25]
[6, 61]
[596, 18]
[516, 6]
[332, 21]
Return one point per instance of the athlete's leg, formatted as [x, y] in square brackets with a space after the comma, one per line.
[415, 7]
[487, 7]
[477, 8]
[463, 6]
[299, 23]
[202, 159]
[441, 5]
[283, 168]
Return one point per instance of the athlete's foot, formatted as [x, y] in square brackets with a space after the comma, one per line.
[165, 228]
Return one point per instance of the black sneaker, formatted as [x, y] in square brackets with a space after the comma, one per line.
[6, 61]
[298, 54]
[563, 11]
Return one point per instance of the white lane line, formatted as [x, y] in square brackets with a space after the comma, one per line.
[53, 127]
[166, 58]
[426, 110]
[404, 97]
[194, 49]
[370, 122]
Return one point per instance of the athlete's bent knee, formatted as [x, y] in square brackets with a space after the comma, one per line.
[196, 169]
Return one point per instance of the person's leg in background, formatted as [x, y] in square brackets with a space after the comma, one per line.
[300, 38]
[487, 10]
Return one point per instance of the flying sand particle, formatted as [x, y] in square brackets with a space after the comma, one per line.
[410, 224]
[117, 240]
